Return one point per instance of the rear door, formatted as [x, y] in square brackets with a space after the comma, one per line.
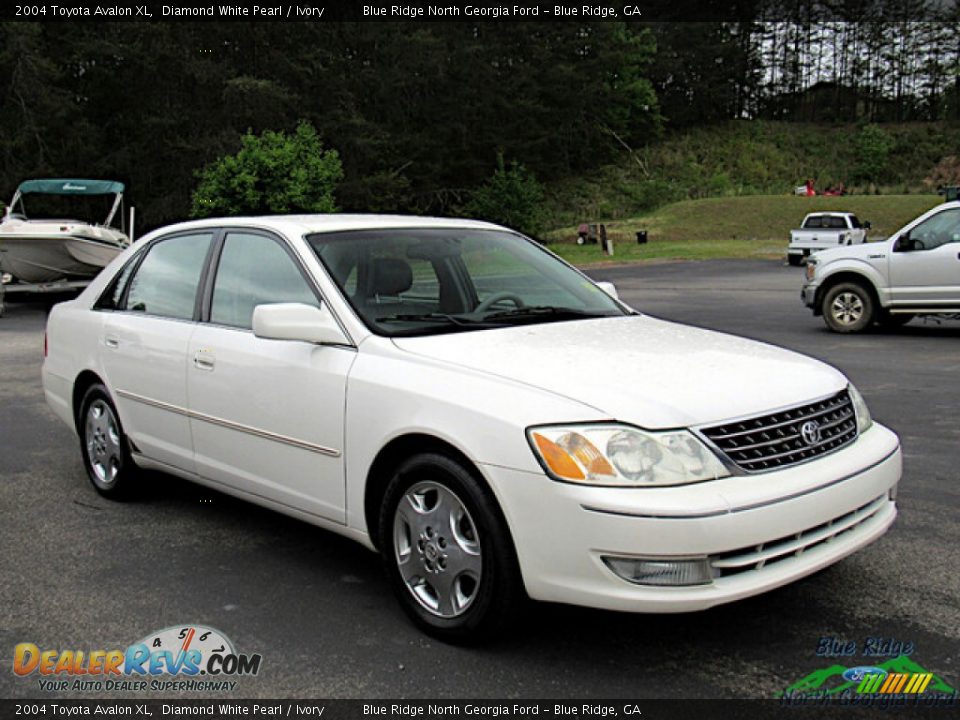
[267, 416]
[153, 307]
[929, 274]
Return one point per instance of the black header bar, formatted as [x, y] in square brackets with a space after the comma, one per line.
[315, 11]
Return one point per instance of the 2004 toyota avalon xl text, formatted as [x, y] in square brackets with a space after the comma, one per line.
[454, 395]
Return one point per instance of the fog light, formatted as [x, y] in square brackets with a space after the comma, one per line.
[676, 573]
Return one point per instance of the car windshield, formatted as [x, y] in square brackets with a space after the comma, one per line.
[438, 280]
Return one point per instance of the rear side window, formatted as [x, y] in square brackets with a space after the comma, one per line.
[814, 221]
[112, 297]
[165, 284]
[255, 270]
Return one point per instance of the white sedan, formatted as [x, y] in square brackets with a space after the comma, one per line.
[492, 421]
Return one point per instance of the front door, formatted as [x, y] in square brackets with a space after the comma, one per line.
[267, 415]
[929, 274]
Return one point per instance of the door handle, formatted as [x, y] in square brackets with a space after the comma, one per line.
[203, 361]
[111, 342]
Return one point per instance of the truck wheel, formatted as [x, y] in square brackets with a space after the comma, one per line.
[848, 308]
[795, 260]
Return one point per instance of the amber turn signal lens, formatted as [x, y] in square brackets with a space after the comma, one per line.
[557, 459]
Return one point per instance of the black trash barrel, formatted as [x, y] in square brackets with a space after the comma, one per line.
[641, 237]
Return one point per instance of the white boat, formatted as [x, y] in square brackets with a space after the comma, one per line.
[49, 249]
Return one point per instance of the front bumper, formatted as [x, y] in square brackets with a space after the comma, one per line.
[809, 295]
[561, 531]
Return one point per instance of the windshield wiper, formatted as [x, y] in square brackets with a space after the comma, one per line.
[427, 317]
[541, 312]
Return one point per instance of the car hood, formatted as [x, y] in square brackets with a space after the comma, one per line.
[638, 369]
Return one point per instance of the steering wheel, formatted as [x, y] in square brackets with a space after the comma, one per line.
[500, 297]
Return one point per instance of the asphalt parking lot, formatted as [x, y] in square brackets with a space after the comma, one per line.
[81, 572]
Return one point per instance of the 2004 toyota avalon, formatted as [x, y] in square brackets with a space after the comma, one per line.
[454, 395]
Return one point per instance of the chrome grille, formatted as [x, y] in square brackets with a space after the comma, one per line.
[787, 437]
[769, 553]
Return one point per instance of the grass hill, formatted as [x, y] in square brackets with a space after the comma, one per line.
[745, 158]
[740, 227]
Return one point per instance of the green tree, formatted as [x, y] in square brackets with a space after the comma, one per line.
[873, 146]
[271, 173]
[512, 196]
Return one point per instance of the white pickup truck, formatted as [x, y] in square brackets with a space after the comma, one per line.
[823, 230]
[916, 271]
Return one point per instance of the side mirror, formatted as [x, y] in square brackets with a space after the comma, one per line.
[296, 321]
[867, 225]
[609, 288]
[903, 243]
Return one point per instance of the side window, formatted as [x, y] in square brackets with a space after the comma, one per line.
[942, 228]
[110, 300]
[166, 282]
[425, 284]
[813, 222]
[255, 270]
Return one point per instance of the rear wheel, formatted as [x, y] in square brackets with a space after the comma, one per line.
[447, 550]
[103, 444]
[848, 308]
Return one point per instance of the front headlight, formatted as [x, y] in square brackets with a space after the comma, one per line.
[811, 268]
[620, 455]
[864, 421]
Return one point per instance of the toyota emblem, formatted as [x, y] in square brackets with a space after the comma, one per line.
[810, 432]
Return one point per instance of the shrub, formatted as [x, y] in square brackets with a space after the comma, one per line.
[271, 173]
[512, 196]
[873, 146]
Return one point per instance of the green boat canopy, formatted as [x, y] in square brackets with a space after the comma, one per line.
[70, 186]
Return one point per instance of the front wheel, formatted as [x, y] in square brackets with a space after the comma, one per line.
[103, 444]
[848, 308]
[447, 550]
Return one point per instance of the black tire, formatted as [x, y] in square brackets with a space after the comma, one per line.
[104, 446]
[892, 321]
[795, 260]
[471, 553]
[848, 308]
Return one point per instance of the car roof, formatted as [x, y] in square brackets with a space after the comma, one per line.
[830, 212]
[307, 224]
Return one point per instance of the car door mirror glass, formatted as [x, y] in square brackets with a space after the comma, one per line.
[610, 289]
[297, 321]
